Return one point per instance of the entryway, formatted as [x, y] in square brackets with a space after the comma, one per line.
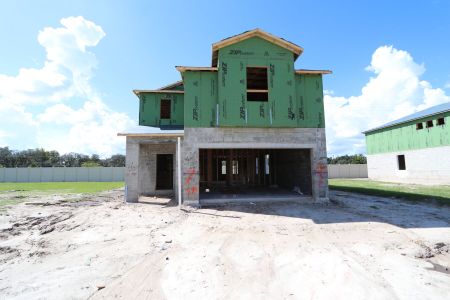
[164, 171]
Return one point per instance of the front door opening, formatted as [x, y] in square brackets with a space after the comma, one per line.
[164, 171]
[254, 172]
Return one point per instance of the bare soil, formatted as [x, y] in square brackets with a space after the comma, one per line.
[355, 247]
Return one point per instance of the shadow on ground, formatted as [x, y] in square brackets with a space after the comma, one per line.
[345, 207]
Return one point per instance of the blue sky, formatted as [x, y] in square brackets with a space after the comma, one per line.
[136, 44]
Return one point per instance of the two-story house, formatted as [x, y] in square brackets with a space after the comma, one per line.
[253, 128]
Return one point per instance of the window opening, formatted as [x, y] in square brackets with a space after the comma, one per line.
[165, 109]
[257, 87]
[401, 162]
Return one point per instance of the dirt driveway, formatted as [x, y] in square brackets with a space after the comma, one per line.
[356, 247]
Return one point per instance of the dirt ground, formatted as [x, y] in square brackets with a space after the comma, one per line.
[355, 247]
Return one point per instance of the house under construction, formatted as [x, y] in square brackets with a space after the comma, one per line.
[250, 127]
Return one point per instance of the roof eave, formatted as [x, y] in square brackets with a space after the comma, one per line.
[137, 92]
[415, 119]
[305, 71]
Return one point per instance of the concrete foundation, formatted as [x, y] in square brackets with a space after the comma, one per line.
[424, 166]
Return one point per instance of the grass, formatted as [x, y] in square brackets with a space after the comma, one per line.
[439, 194]
[60, 187]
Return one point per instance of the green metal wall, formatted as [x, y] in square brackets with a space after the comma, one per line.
[404, 137]
[294, 100]
[149, 109]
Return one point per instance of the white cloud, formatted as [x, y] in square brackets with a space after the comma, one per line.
[396, 90]
[63, 82]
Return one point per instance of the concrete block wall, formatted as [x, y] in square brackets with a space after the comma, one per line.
[293, 169]
[147, 167]
[423, 166]
[140, 165]
[275, 138]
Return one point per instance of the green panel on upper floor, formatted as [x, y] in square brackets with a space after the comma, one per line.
[406, 136]
[150, 107]
[219, 98]
[200, 100]
[310, 112]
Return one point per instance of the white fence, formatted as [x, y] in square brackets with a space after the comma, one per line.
[347, 171]
[62, 174]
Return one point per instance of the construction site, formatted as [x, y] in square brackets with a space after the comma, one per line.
[251, 128]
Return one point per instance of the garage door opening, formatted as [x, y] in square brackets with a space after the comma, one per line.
[254, 173]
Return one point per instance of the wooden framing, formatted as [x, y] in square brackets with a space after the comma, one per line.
[304, 71]
[152, 135]
[137, 92]
[184, 69]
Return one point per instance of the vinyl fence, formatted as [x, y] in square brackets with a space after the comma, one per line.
[72, 174]
[347, 171]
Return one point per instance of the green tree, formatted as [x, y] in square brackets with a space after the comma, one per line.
[91, 164]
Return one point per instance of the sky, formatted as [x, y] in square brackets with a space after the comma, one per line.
[68, 68]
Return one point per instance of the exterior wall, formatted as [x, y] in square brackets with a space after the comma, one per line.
[62, 174]
[423, 166]
[147, 167]
[149, 109]
[140, 169]
[347, 171]
[404, 137]
[281, 138]
[200, 103]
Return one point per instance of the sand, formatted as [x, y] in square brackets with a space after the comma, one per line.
[356, 247]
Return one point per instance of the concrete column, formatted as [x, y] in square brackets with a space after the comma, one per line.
[319, 168]
[190, 175]
[132, 170]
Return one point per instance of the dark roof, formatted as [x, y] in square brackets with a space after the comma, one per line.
[434, 110]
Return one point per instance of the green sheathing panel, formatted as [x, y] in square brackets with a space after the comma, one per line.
[287, 91]
[309, 101]
[149, 109]
[200, 98]
[404, 136]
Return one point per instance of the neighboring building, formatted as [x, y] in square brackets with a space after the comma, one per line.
[413, 149]
[253, 128]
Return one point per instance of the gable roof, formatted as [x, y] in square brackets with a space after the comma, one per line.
[434, 110]
[296, 49]
[172, 85]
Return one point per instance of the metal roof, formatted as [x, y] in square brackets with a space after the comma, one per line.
[434, 110]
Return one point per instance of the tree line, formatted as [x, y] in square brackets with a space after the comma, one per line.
[347, 159]
[42, 158]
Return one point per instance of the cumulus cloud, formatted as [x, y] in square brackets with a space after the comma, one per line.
[37, 105]
[395, 90]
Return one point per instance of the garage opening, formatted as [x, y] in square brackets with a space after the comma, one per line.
[254, 173]
[164, 171]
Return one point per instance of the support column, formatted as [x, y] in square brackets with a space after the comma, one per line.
[132, 170]
[190, 179]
